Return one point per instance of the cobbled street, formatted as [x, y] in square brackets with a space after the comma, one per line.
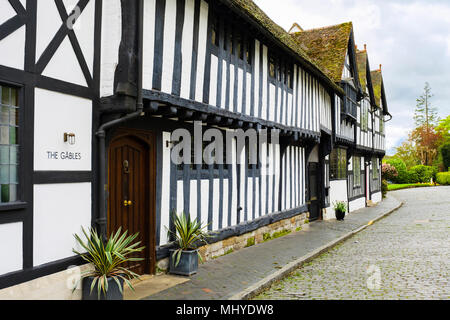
[403, 256]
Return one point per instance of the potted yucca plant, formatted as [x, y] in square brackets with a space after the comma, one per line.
[188, 234]
[340, 208]
[108, 259]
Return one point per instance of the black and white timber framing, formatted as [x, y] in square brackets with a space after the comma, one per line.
[203, 60]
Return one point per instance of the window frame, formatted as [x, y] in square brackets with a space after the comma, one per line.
[22, 132]
[356, 172]
[338, 167]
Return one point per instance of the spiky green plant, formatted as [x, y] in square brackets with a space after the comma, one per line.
[187, 234]
[108, 259]
[340, 206]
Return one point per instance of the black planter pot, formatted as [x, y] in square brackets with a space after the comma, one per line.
[188, 264]
[340, 215]
[113, 292]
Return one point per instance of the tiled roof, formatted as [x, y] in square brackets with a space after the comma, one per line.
[327, 46]
[377, 82]
[361, 64]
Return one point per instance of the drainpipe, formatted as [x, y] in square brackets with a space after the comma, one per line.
[101, 133]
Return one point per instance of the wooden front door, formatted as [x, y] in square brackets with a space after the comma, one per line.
[131, 195]
[313, 191]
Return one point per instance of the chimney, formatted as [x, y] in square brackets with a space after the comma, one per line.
[380, 66]
[365, 47]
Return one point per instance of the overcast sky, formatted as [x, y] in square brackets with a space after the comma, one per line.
[411, 39]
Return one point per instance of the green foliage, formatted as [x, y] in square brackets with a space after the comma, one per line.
[108, 258]
[425, 114]
[250, 242]
[340, 206]
[422, 173]
[384, 188]
[443, 178]
[402, 173]
[393, 187]
[445, 152]
[266, 237]
[280, 234]
[188, 234]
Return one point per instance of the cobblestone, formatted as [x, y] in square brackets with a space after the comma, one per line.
[226, 276]
[403, 256]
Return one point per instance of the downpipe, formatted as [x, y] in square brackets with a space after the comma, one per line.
[101, 220]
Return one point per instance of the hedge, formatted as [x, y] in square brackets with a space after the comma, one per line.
[443, 178]
[422, 174]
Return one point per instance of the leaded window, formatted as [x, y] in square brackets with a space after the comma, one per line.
[375, 168]
[356, 172]
[338, 164]
[9, 145]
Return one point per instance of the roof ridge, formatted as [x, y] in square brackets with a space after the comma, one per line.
[326, 27]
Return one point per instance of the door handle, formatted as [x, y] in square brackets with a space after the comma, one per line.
[128, 203]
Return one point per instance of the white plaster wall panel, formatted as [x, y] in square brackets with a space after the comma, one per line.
[277, 175]
[213, 76]
[202, 41]
[56, 114]
[377, 197]
[165, 192]
[249, 199]
[288, 163]
[290, 110]
[257, 196]
[7, 11]
[48, 21]
[270, 180]
[277, 108]
[231, 97]
[225, 204]
[224, 85]
[241, 182]
[272, 104]
[263, 177]
[248, 94]
[186, 48]
[180, 197]
[193, 200]
[169, 46]
[204, 201]
[12, 50]
[295, 106]
[84, 29]
[240, 90]
[11, 246]
[257, 75]
[215, 203]
[149, 45]
[65, 56]
[234, 185]
[338, 192]
[59, 212]
[264, 84]
[357, 204]
[111, 36]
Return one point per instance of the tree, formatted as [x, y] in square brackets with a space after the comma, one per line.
[427, 142]
[444, 129]
[408, 153]
[425, 114]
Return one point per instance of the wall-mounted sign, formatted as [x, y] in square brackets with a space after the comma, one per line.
[63, 155]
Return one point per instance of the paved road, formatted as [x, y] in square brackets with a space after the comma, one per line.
[403, 256]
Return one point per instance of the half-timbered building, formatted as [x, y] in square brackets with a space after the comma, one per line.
[94, 95]
[358, 140]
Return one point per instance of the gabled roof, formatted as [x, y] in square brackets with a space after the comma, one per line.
[327, 46]
[253, 13]
[378, 89]
[361, 64]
